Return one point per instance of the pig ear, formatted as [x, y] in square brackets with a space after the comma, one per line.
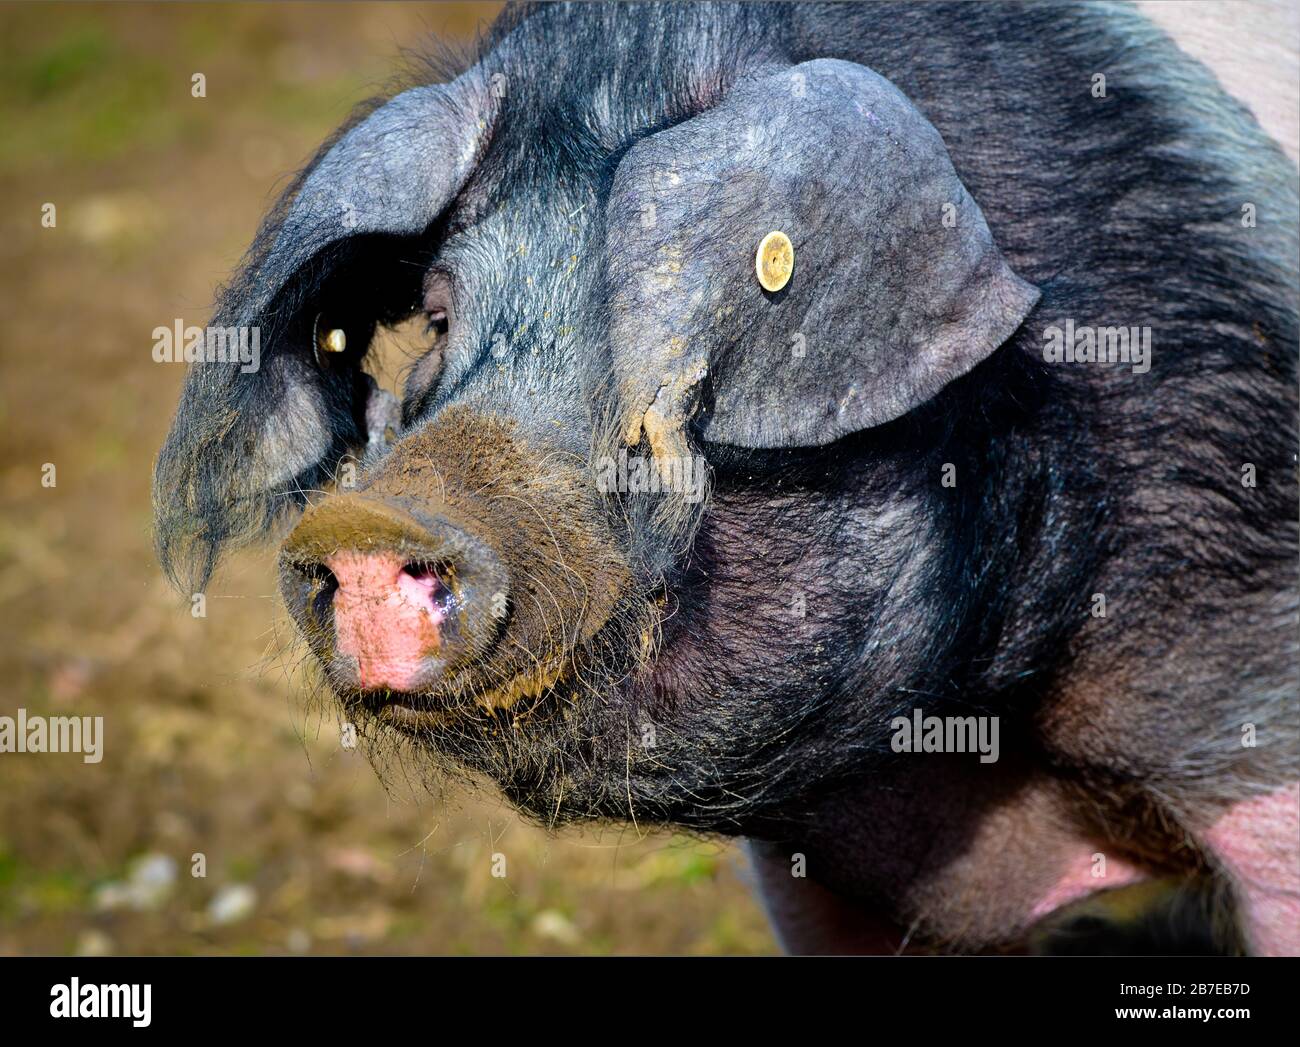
[896, 289]
[250, 437]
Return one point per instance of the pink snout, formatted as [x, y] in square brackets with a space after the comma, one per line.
[391, 599]
[389, 617]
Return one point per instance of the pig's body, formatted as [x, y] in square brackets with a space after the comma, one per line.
[937, 540]
[1029, 855]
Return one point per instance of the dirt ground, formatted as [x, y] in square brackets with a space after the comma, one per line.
[209, 749]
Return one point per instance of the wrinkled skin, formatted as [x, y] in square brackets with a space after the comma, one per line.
[733, 664]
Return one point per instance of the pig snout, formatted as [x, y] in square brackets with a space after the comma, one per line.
[388, 599]
[388, 615]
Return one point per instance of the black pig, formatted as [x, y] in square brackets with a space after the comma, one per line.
[672, 530]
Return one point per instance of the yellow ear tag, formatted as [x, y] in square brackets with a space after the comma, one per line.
[329, 340]
[774, 261]
[334, 341]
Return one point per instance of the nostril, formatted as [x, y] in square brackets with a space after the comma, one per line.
[427, 570]
[321, 584]
[433, 577]
[320, 576]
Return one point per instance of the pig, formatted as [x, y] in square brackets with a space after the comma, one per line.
[798, 375]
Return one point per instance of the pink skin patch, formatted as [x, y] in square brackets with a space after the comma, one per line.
[1258, 842]
[1081, 878]
[387, 618]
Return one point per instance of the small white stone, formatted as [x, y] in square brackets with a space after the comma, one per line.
[152, 880]
[549, 923]
[94, 943]
[231, 904]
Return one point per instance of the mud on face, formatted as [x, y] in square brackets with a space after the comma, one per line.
[547, 620]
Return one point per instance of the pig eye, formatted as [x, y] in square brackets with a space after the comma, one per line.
[437, 303]
[437, 312]
[435, 330]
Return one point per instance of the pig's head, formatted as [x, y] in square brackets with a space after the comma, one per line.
[636, 542]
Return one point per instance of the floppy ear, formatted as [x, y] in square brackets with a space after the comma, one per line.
[897, 287]
[247, 442]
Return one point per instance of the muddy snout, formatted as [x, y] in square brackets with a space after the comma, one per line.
[388, 597]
